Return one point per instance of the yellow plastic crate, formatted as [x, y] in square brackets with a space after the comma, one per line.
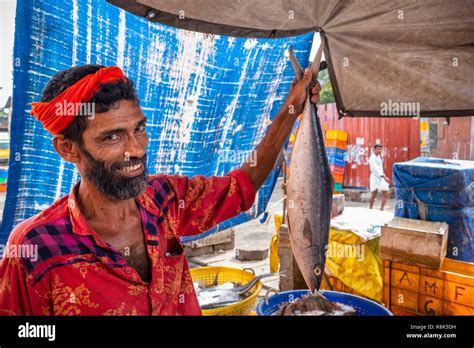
[227, 274]
[334, 134]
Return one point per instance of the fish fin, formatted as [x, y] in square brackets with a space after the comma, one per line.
[308, 232]
[279, 160]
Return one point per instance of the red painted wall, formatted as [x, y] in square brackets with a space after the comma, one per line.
[454, 140]
[399, 137]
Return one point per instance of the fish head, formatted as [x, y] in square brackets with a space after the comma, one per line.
[317, 277]
[313, 277]
[311, 265]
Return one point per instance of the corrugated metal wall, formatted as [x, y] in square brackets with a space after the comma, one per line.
[454, 140]
[400, 138]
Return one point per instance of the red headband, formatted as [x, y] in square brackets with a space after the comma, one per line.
[54, 114]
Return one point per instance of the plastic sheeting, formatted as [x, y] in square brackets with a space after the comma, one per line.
[390, 58]
[352, 252]
[207, 97]
[439, 190]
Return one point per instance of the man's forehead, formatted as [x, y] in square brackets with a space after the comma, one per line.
[124, 113]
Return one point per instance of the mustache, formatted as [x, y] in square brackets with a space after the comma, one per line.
[113, 184]
[132, 161]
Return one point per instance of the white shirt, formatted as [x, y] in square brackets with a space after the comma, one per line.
[376, 165]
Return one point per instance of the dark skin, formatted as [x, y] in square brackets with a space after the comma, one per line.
[121, 131]
[108, 137]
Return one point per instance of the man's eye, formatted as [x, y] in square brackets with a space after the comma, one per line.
[111, 137]
[141, 128]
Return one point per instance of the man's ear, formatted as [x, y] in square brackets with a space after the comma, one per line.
[66, 148]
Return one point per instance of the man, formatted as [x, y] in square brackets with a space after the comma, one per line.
[111, 247]
[378, 180]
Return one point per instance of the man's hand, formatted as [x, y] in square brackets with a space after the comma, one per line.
[297, 95]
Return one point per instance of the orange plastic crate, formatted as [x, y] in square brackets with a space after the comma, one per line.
[336, 143]
[338, 178]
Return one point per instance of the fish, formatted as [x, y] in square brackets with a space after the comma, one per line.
[314, 304]
[217, 295]
[225, 294]
[309, 188]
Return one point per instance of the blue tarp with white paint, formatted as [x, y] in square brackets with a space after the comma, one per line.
[208, 98]
[436, 189]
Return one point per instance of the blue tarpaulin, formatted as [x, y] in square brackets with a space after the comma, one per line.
[439, 190]
[208, 98]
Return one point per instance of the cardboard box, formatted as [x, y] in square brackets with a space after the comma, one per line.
[414, 290]
[422, 243]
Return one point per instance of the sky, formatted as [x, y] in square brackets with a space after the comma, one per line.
[7, 28]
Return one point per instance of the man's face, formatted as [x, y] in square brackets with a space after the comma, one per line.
[378, 150]
[114, 145]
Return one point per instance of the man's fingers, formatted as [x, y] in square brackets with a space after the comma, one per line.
[293, 84]
[304, 82]
[315, 93]
[316, 88]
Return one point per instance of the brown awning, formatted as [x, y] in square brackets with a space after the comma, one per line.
[393, 57]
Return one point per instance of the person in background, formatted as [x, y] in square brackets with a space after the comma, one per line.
[378, 180]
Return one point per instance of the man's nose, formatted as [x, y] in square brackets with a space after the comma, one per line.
[135, 147]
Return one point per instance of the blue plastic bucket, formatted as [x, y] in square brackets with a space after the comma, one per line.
[363, 306]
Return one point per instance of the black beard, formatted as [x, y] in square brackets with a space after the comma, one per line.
[112, 183]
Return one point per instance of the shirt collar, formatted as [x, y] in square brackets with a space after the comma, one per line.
[81, 226]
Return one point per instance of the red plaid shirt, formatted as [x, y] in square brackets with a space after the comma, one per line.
[76, 273]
